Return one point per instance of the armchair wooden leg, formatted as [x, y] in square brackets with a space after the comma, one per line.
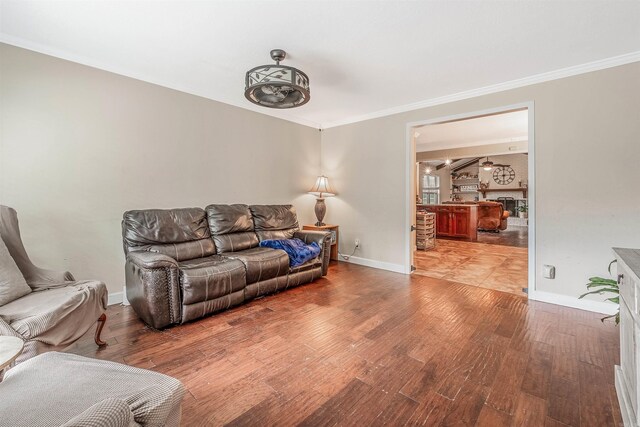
[101, 320]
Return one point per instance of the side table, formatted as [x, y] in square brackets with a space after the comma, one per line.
[10, 349]
[334, 236]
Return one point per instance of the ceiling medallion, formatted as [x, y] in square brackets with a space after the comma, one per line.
[277, 86]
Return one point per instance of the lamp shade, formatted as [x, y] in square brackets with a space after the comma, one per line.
[322, 188]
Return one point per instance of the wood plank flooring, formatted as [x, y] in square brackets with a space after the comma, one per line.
[367, 347]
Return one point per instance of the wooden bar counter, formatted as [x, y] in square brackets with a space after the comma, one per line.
[455, 221]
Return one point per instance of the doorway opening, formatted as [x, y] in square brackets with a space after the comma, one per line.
[472, 199]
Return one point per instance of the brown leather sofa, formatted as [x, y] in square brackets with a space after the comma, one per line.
[183, 264]
[491, 215]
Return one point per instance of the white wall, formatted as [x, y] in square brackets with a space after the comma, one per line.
[587, 133]
[79, 146]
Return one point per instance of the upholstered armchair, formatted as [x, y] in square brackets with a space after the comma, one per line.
[492, 216]
[56, 310]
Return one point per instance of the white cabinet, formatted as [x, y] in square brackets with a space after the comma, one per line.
[627, 379]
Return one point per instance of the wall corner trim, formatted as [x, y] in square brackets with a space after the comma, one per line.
[573, 302]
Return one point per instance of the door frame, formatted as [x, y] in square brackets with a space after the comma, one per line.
[410, 180]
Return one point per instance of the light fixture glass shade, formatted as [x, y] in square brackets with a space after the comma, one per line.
[277, 86]
[322, 188]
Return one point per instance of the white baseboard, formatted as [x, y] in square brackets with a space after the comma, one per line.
[115, 298]
[396, 268]
[548, 297]
[573, 302]
[125, 301]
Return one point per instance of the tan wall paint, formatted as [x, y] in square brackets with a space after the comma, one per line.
[79, 146]
[587, 142]
[520, 166]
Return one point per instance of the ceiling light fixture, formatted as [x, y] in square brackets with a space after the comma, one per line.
[277, 86]
[447, 162]
[487, 165]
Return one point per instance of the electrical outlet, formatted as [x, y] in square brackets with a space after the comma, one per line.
[549, 272]
[357, 243]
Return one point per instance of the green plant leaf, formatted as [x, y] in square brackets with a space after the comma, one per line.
[601, 285]
[604, 288]
[617, 318]
[589, 293]
[602, 280]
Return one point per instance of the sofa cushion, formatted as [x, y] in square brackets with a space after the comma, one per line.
[489, 215]
[274, 221]
[231, 227]
[57, 316]
[12, 282]
[182, 234]
[299, 252]
[109, 412]
[311, 264]
[52, 388]
[262, 263]
[208, 278]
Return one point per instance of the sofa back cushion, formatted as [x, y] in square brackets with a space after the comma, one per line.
[12, 282]
[489, 215]
[231, 227]
[274, 221]
[182, 234]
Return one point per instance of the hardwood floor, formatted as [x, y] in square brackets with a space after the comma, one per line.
[368, 347]
[501, 268]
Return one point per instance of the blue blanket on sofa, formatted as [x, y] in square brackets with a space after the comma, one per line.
[299, 252]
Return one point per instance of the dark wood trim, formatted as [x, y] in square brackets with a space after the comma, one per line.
[444, 164]
[101, 321]
[466, 164]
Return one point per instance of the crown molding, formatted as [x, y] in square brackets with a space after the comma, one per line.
[486, 90]
[58, 53]
[602, 64]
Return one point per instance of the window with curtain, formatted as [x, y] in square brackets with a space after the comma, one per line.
[430, 189]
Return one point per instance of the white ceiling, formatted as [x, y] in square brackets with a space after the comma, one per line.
[495, 129]
[364, 58]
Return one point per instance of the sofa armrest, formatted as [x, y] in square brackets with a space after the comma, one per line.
[153, 288]
[151, 260]
[323, 239]
[7, 331]
[110, 412]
